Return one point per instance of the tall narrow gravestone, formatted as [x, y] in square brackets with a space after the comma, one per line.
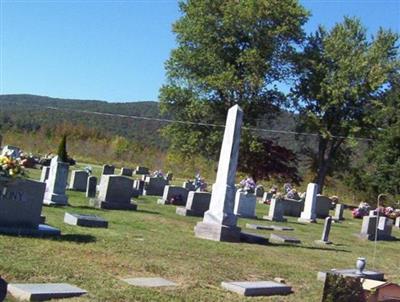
[219, 221]
[325, 232]
[56, 183]
[309, 214]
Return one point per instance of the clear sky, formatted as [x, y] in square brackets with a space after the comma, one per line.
[115, 50]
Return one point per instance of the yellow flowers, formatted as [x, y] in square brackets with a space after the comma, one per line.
[9, 167]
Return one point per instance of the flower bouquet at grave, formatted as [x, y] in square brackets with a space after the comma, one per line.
[248, 185]
[9, 168]
[157, 173]
[199, 183]
[292, 194]
[362, 210]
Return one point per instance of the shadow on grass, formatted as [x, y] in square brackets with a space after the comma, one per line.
[307, 247]
[78, 238]
[148, 212]
[84, 207]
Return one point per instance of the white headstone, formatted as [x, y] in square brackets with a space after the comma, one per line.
[57, 183]
[309, 213]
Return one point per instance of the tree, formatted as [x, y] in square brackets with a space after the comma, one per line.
[342, 75]
[62, 150]
[229, 52]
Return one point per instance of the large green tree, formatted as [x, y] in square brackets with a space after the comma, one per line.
[342, 74]
[229, 52]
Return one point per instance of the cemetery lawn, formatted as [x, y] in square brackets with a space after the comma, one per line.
[155, 242]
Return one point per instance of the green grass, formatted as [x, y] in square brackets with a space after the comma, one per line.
[154, 241]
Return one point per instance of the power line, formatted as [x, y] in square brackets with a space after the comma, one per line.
[164, 120]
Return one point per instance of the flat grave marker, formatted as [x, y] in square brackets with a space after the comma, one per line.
[257, 288]
[85, 220]
[43, 291]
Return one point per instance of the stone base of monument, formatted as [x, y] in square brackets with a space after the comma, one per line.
[322, 242]
[118, 206]
[187, 212]
[92, 221]
[257, 288]
[306, 220]
[217, 232]
[271, 218]
[52, 199]
[44, 291]
[352, 273]
[42, 230]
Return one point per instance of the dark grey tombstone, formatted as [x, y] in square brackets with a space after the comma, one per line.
[325, 233]
[126, 171]
[115, 193]
[3, 289]
[108, 170]
[78, 181]
[91, 187]
[339, 209]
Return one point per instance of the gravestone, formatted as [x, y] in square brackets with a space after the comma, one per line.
[45, 174]
[154, 186]
[174, 195]
[275, 211]
[126, 172]
[325, 232]
[139, 186]
[78, 181]
[141, 170]
[21, 202]
[56, 183]
[245, 204]
[397, 222]
[44, 291]
[197, 204]
[219, 222]
[91, 187]
[170, 176]
[115, 193]
[370, 229]
[309, 214]
[3, 289]
[108, 170]
[339, 209]
[277, 238]
[257, 288]
[259, 191]
[322, 206]
[188, 185]
[85, 220]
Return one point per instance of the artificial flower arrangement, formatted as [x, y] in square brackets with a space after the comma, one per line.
[157, 173]
[9, 168]
[388, 212]
[199, 183]
[362, 210]
[248, 185]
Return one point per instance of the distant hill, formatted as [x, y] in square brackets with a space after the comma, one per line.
[31, 112]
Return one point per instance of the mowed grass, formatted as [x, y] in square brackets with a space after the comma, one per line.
[155, 242]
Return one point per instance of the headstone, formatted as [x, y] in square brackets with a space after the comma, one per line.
[257, 288]
[219, 222]
[259, 191]
[245, 204]
[44, 291]
[141, 170]
[79, 180]
[21, 202]
[91, 187]
[188, 185]
[56, 183]
[322, 206]
[139, 185]
[45, 174]
[85, 220]
[174, 195]
[170, 176]
[325, 233]
[292, 207]
[309, 214]
[108, 170]
[277, 238]
[397, 222]
[275, 211]
[150, 282]
[339, 209]
[370, 229]
[115, 193]
[196, 205]
[3, 289]
[267, 196]
[154, 186]
[268, 227]
[126, 172]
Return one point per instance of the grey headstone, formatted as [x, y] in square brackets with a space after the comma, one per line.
[283, 239]
[322, 206]
[44, 291]
[219, 222]
[188, 185]
[85, 220]
[245, 204]
[339, 209]
[325, 233]
[174, 195]
[45, 174]
[126, 171]
[259, 191]
[154, 186]
[309, 213]
[116, 192]
[78, 181]
[275, 211]
[108, 170]
[197, 204]
[150, 282]
[3, 289]
[56, 183]
[141, 170]
[91, 187]
[292, 207]
[257, 288]
[370, 229]
[139, 185]
[397, 222]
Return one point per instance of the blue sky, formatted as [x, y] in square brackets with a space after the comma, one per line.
[115, 50]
